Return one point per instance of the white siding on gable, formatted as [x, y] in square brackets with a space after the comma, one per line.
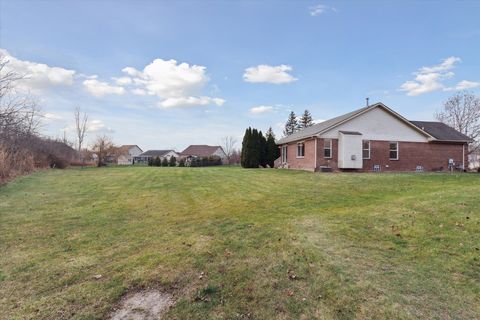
[170, 154]
[219, 153]
[378, 124]
[135, 151]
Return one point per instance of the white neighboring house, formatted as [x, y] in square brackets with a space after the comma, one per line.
[127, 153]
[203, 150]
[474, 160]
[144, 157]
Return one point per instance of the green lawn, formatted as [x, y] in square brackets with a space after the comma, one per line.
[272, 244]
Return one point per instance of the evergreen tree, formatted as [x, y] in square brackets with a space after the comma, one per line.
[255, 152]
[262, 141]
[272, 150]
[173, 161]
[306, 120]
[150, 161]
[292, 124]
[165, 162]
[157, 162]
[181, 162]
[246, 147]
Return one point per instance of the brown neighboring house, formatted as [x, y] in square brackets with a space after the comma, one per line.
[203, 150]
[374, 138]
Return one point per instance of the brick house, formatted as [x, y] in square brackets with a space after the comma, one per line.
[374, 138]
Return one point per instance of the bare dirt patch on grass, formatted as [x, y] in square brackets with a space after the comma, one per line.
[143, 305]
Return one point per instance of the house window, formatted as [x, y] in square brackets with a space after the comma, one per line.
[284, 154]
[327, 148]
[366, 149]
[300, 150]
[393, 150]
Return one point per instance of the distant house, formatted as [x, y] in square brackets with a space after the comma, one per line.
[374, 138]
[144, 157]
[124, 155]
[202, 151]
[474, 160]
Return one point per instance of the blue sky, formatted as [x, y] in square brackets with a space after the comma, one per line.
[202, 70]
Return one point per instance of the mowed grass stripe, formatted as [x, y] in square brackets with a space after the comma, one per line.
[272, 244]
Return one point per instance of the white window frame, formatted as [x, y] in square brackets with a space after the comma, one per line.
[369, 149]
[330, 147]
[396, 150]
[284, 153]
[302, 143]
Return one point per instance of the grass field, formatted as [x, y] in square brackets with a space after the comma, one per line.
[271, 244]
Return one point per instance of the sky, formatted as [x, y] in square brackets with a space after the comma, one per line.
[167, 74]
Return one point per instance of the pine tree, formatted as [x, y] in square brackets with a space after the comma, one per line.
[306, 120]
[262, 141]
[246, 147]
[164, 162]
[292, 124]
[272, 150]
[181, 163]
[157, 162]
[173, 161]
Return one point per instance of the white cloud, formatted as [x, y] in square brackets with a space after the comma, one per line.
[465, 84]
[178, 85]
[139, 92]
[269, 74]
[37, 76]
[100, 88]
[49, 117]
[190, 102]
[261, 109]
[320, 9]
[428, 79]
[95, 126]
[122, 81]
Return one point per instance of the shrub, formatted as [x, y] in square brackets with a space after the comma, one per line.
[181, 162]
[172, 162]
[164, 162]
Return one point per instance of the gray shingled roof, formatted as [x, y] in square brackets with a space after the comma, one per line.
[201, 150]
[441, 131]
[155, 153]
[319, 127]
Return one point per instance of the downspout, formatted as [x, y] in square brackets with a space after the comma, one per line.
[316, 155]
[463, 156]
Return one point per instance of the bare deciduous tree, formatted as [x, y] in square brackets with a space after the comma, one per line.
[80, 126]
[228, 145]
[462, 112]
[102, 146]
[19, 121]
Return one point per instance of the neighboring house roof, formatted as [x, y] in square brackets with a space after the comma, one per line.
[125, 149]
[441, 131]
[324, 126]
[201, 150]
[155, 153]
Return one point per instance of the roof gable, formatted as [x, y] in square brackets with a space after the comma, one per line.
[155, 153]
[325, 126]
[202, 150]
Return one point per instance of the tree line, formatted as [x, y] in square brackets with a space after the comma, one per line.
[295, 124]
[258, 150]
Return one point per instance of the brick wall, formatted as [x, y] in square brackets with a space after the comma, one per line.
[431, 156]
[305, 163]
